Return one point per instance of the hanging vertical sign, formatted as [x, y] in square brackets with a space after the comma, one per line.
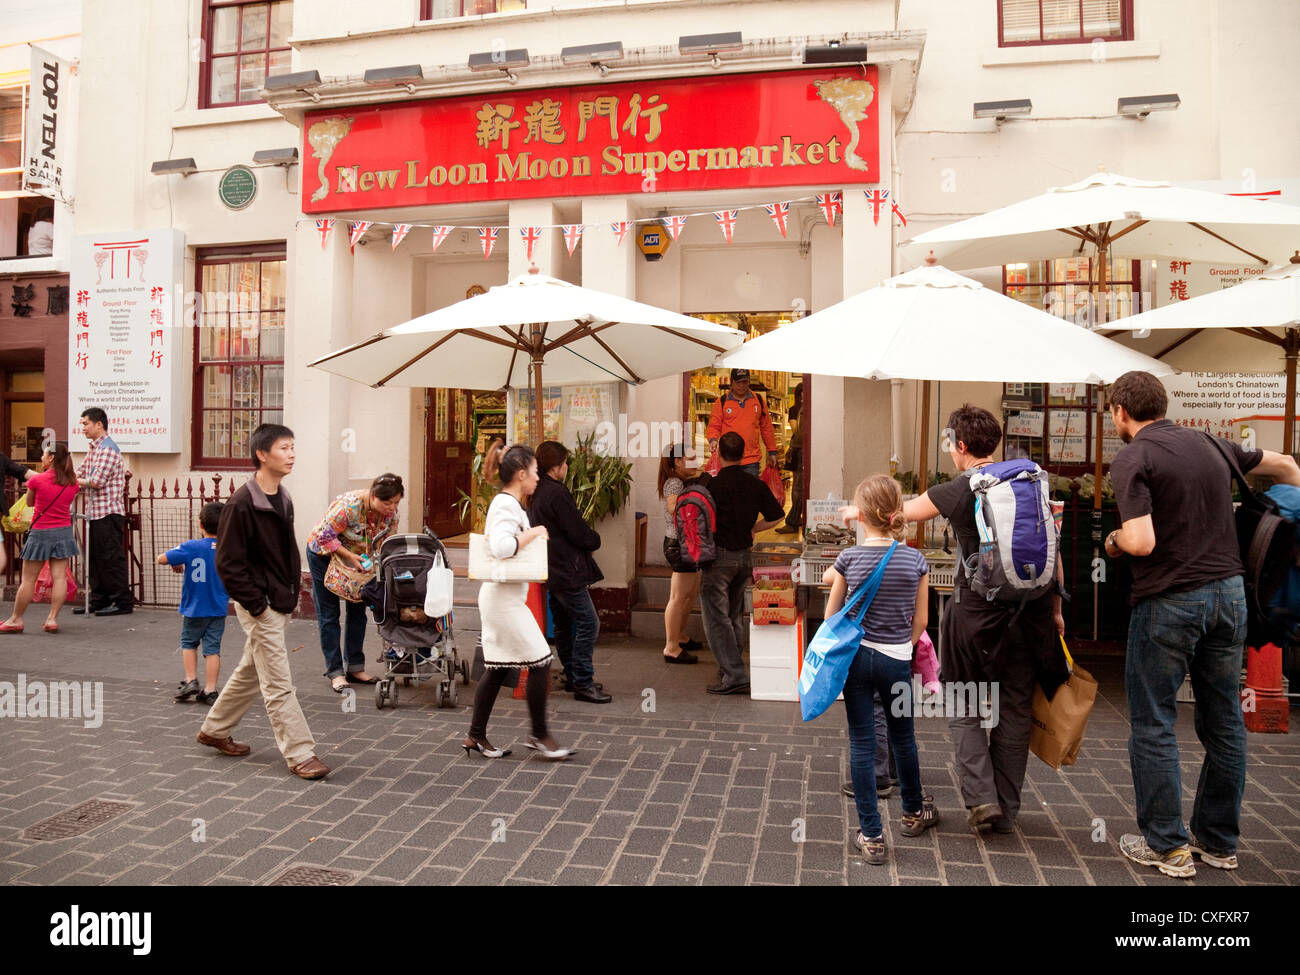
[124, 339]
[51, 127]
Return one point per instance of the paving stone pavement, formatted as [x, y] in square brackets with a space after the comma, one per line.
[699, 790]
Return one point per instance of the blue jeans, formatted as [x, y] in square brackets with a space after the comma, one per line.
[1202, 630]
[722, 601]
[871, 673]
[327, 620]
[576, 629]
[755, 469]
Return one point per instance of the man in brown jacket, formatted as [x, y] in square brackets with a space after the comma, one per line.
[258, 562]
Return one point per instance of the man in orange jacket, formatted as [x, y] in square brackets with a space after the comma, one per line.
[745, 413]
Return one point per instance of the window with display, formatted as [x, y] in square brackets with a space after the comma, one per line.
[244, 42]
[239, 352]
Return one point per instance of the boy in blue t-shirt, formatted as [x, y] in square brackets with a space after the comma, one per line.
[204, 605]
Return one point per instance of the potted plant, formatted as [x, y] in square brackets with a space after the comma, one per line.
[600, 483]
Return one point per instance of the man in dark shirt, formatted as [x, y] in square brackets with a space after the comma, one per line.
[1189, 613]
[744, 505]
[987, 642]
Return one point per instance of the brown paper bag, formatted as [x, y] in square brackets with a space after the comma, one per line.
[1058, 724]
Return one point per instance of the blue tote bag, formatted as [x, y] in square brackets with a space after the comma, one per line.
[827, 660]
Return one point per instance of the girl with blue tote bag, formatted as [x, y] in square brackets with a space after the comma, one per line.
[865, 646]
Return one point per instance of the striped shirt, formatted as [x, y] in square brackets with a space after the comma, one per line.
[889, 619]
[105, 476]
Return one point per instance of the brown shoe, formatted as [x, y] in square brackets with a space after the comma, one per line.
[313, 768]
[227, 746]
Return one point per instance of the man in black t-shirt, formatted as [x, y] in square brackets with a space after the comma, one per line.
[744, 504]
[1174, 488]
[989, 641]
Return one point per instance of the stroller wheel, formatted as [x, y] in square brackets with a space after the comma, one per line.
[453, 693]
[392, 693]
[380, 694]
[463, 667]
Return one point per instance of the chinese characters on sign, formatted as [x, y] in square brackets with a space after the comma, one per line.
[124, 337]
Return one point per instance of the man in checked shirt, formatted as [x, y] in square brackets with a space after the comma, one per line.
[103, 477]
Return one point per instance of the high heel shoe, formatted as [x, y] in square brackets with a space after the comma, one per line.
[483, 748]
[556, 755]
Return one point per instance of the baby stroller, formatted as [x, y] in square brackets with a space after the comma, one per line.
[416, 648]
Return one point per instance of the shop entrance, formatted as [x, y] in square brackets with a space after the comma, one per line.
[703, 388]
[22, 413]
[449, 459]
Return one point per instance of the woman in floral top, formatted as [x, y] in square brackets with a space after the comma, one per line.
[356, 524]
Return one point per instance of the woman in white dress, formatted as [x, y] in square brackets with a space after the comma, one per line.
[511, 636]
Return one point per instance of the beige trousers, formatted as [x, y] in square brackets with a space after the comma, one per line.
[264, 668]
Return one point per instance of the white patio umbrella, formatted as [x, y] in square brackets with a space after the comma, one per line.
[1120, 217]
[503, 337]
[1270, 301]
[932, 323]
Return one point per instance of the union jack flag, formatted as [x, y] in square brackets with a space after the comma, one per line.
[488, 237]
[572, 234]
[530, 235]
[674, 225]
[400, 230]
[831, 204]
[877, 199]
[894, 208]
[620, 228]
[356, 230]
[439, 235]
[726, 222]
[323, 227]
[778, 212]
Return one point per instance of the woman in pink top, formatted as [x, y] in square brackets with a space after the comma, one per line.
[51, 538]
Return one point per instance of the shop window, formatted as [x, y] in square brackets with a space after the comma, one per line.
[238, 353]
[1054, 424]
[244, 43]
[26, 219]
[22, 412]
[448, 9]
[1026, 22]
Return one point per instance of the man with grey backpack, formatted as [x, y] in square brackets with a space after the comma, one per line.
[1000, 631]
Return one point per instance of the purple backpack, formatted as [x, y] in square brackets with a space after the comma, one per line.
[1016, 561]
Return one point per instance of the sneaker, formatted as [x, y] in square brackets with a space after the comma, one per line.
[883, 788]
[186, 689]
[207, 697]
[914, 824]
[1176, 863]
[872, 850]
[985, 812]
[1224, 861]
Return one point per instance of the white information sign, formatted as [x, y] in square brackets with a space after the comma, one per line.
[1222, 403]
[124, 340]
[1026, 423]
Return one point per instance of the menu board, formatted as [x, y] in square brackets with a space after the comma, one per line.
[124, 338]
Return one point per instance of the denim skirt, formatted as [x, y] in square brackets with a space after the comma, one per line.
[50, 543]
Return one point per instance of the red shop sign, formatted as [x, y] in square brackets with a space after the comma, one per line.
[777, 129]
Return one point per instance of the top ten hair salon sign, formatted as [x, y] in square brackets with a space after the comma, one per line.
[817, 127]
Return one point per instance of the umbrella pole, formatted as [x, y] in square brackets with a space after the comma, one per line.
[1288, 427]
[922, 480]
[1099, 318]
[538, 426]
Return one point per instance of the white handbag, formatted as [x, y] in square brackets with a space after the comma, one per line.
[527, 565]
[439, 589]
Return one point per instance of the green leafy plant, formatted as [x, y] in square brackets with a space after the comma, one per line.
[600, 484]
[483, 494]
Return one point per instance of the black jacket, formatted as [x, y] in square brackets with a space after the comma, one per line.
[257, 554]
[572, 540]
